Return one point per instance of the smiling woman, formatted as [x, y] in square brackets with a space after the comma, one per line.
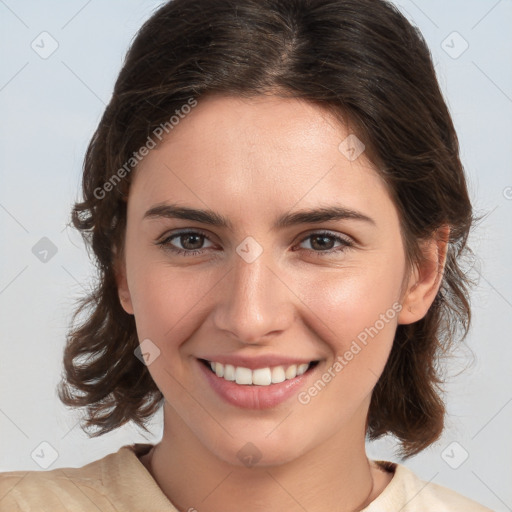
[281, 271]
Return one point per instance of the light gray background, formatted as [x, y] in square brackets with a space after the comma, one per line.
[49, 109]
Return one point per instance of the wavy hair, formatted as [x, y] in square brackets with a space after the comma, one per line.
[365, 63]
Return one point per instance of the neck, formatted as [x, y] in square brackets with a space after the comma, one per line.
[333, 476]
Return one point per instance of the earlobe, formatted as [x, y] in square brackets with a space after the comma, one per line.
[122, 288]
[126, 302]
[425, 280]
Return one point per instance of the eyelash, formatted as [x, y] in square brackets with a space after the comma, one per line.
[165, 243]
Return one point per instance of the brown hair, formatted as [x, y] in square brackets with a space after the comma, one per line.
[364, 62]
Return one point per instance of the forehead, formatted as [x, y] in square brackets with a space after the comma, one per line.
[258, 155]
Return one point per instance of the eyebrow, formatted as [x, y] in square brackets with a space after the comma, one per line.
[316, 215]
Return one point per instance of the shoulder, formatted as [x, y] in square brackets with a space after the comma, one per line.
[104, 484]
[58, 489]
[409, 493]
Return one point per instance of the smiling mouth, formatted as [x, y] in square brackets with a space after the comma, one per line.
[260, 376]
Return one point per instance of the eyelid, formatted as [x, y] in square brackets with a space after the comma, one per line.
[347, 242]
[327, 232]
[162, 240]
[183, 231]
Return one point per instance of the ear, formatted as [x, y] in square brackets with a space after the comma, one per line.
[425, 279]
[122, 283]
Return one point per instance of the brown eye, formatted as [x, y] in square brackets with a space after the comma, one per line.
[323, 243]
[191, 243]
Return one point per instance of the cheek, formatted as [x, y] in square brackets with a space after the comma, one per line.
[357, 320]
[354, 311]
[165, 300]
[346, 301]
[170, 304]
[168, 307]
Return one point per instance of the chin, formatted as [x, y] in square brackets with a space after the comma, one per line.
[259, 450]
[250, 455]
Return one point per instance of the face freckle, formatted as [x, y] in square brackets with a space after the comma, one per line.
[252, 162]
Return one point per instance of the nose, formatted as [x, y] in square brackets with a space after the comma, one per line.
[254, 304]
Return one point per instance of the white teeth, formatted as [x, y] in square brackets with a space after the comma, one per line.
[219, 369]
[260, 376]
[291, 371]
[302, 368]
[229, 372]
[278, 375]
[243, 375]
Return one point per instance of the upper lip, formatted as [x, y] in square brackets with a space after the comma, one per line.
[256, 362]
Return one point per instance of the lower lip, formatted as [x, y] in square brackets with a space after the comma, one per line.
[252, 396]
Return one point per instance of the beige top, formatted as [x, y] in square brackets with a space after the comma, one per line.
[119, 482]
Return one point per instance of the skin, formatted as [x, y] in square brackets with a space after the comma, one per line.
[252, 160]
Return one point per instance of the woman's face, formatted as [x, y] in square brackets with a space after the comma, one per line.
[276, 286]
